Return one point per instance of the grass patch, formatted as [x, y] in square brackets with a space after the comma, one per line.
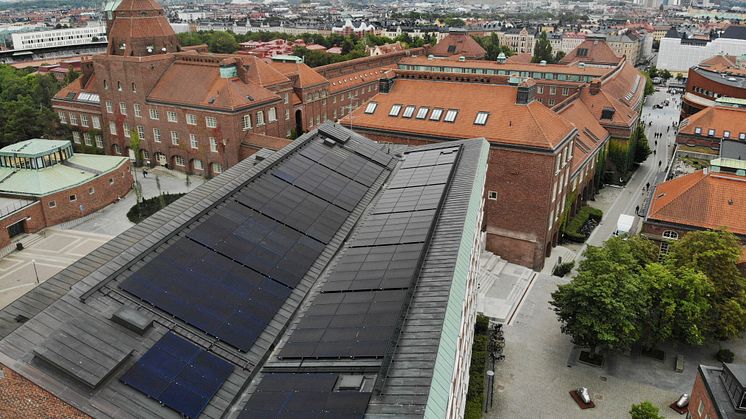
[697, 149]
[573, 227]
[698, 164]
[150, 206]
[479, 353]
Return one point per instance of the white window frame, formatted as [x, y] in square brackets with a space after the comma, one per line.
[109, 107]
[395, 109]
[408, 111]
[451, 115]
[171, 116]
[112, 128]
[211, 122]
[154, 114]
[371, 107]
[259, 118]
[422, 112]
[193, 142]
[137, 110]
[481, 118]
[123, 108]
[174, 138]
[96, 121]
[213, 145]
[157, 135]
[272, 114]
[191, 119]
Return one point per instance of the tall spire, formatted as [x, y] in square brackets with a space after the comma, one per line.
[140, 28]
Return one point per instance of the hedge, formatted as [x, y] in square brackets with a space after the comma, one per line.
[150, 206]
[572, 229]
[479, 353]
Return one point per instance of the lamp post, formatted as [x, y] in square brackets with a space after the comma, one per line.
[490, 381]
[36, 273]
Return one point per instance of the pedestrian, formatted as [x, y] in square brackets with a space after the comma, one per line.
[668, 129]
[660, 162]
[637, 210]
[144, 173]
[647, 185]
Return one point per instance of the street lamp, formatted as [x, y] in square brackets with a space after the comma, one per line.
[490, 382]
[36, 273]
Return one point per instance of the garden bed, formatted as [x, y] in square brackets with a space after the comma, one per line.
[580, 227]
[150, 206]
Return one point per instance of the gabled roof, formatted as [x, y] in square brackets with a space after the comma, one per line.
[702, 199]
[592, 51]
[305, 75]
[591, 135]
[460, 44]
[531, 125]
[524, 58]
[719, 118]
[720, 60]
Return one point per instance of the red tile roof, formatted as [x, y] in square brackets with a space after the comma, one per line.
[622, 92]
[458, 44]
[532, 125]
[702, 199]
[591, 135]
[592, 51]
[719, 118]
[352, 80]
[306, 76]
[524, 58]
[20, 398]
[258, 141]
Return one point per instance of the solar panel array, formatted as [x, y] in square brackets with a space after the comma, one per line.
[313, 395]
[360, 304]
[178, 374]
[230, 274]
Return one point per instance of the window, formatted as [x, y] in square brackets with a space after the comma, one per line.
[422, 113]
[99, 141]
[179, 161]
[111, 181]
[395, 109]
[126, 129]
[197, 163]
[408, 111]
[154, 114]
[83, 120]
[106, 85]
[216, 168]
[157, 135]
[371, 107]
[171, 116]
[87, 138]
[272, 114]
[698, 130]
[193, 141]
[726, 134]
[211, 122]
[91, 191]
[701, 408]
[435, 114]
[260, 118]
[117, 149]
[213, 145]
[550, 102]
[63, 117]
[96, 122]
[710, 132]
[109, 107]
[52, 204]
[191, 119]
[451, 115]
[552, 90]
[742, 136]
[113, 128]
[141, 132]
[540, 90]
[287, 114]
[119, 86]
[145, 155]
[565, 91]
[286, 98]
[481, 118]
[134, 88]
[174, 138]
[138, 110]
[669, 234]
[123, 108]
[73, 198]
[76, 137]
[73, 119]
[492, 196]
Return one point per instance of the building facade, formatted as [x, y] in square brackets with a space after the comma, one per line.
[678, 53]
[721, 76]
[718, 392]
[59, 37]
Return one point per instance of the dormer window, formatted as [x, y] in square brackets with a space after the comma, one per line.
[698, 131]
[710, 132]
[726, 134]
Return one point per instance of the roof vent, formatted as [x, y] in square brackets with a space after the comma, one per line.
[543, 62]
[581, 65]
[350, 382]
[211, 101]
[501, 58]
[462, 59]
[132, 320]
[329, 142]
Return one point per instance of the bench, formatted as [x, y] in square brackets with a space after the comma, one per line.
[679, 363]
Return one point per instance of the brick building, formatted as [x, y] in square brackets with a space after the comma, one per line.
[194, 111]
[457, 43]
[713, 125]
[713, 78]
[45, 183]
[719, 393]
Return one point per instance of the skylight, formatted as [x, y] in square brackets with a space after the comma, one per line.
[435, 114]
[371, 107]
[408, 111]
[422, 113]
[481, 118]
[451, 115]
[395, 110]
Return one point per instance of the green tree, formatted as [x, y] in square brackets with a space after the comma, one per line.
[645, 410]
[665, 74]
[653, 72]
[642, 149]
[454, 22]
[716, 255]
[559, 56]
[222, 42]
[542, 50]
[649, 87]
[70, 77]
[601, 307]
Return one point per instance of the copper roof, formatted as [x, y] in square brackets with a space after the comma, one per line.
[533, 125]
[719, 118]
[702, 199]
[458, 44]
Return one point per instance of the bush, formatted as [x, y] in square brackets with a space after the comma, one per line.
[725, 355]
[563, 268]
[572, 228]
[479, 353]
[645, 410]
[150, 206]
[481, 327]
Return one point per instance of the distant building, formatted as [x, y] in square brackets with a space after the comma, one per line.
[386, 48]
[679, 53]
[458, 43]
[712, 125]
[349, 29]
[595, 51]
[59, 37]
[719, 392]
[44, 182]
[720, 76]
[519, 40]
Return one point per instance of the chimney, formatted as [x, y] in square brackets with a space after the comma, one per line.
[595, 87]
[86, 70]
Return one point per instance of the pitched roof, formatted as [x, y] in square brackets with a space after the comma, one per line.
[735, 32]
[532, 125]
[304, 75]
[258, 141]
[702, 199]
[591, 135]
[524, 58]
[20, 398]
[719, 118]
[719, 60]
[458, 43]
[138, 5]
[592, 51]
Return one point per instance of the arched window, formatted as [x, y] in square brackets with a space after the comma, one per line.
[669, 234]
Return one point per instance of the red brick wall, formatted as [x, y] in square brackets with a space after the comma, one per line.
[34, 221]
[699, 393]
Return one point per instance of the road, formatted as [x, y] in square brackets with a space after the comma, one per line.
[633, 193]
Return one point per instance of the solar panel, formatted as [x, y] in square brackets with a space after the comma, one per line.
[305, 395]
[397, 228]
[343, 162]
[421, 176]
[179, 374]
[418, 198]
[430, 157]
[210, 292]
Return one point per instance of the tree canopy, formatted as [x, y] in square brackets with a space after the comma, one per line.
[542, 50]
[645, 410]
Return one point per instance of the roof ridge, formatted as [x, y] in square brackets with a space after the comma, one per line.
[686, 189]
[541, 129]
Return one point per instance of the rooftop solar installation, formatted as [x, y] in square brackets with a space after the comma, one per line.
[310, 395]
[178, 374]
[363, 299]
